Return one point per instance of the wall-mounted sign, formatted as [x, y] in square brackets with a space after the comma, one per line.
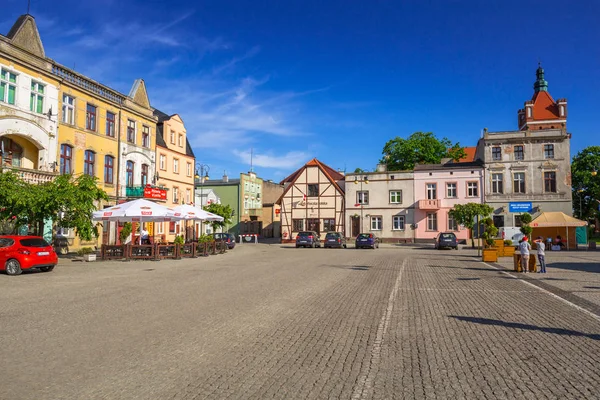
[155, 193]
[520, 206]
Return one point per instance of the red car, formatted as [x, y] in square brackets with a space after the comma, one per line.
[26, 252]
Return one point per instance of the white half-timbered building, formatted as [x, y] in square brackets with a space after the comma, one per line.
[312, 200]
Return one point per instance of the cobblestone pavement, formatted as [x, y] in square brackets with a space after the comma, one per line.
[265, 321]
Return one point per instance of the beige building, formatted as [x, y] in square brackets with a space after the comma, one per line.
[313, 200]
[271, 210]
[175, 163]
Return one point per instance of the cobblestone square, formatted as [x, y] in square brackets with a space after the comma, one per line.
[271, 321]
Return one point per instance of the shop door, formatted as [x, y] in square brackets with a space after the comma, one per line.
[355, 226]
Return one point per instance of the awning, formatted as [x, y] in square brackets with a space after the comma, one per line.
[552, 219]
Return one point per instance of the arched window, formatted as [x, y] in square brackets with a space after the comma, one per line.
[109, 162]
[129, 171]
[89, 162]
[144, 174]
[66, 155]
[10, 152]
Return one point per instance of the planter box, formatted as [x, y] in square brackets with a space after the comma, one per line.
[507, 251]
[89, 257]
[490, 255]
[499, 243]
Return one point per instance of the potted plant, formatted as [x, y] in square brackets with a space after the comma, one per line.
[125, 232]
[490, 252]
[508, 249]
[87, 253]
[204, 243]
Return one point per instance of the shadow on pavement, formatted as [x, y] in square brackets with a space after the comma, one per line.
[585, 267]
[517, 325]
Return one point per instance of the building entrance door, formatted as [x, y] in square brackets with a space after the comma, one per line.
[355, 226]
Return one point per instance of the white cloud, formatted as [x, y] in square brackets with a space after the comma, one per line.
[289, 160]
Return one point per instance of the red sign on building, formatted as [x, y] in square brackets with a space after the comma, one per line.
[155, 193]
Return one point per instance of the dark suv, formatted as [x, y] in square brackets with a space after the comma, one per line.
[335, 239]
[446, 239]
[308, 239]
[228, 238]
[366, 240]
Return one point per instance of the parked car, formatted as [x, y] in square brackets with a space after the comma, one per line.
[228, 238]
[367, 240]
[308, 239]
[18, 253]
[335, 239]
[446, 239]
[511, 233]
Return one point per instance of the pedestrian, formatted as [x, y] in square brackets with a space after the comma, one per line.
[541, 252]
[145, 236]
[524, 248]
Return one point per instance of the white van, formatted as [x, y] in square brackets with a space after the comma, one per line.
[511, 233]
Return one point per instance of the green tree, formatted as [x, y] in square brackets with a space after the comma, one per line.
[466, 215]
[224, 210]
[586, 183]
[419, 148]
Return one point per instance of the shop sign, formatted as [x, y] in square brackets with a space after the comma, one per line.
[520, 206]
[155, 193]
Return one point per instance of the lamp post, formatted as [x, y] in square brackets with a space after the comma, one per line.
[579, 192]
[361, 198]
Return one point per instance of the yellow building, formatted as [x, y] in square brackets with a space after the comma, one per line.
[77, 125]
[175, 164]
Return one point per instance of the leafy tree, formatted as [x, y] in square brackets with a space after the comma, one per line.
[586, 184]
[359, 170]
[224, 210]
[526, 229]
[419, 148]
[466, 215]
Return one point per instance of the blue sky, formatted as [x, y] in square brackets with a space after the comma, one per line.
[335, 80]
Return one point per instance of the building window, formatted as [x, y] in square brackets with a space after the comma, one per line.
[188, 169]
[159, 228]
[297, 225]
[12, 153]
[8, 86]
[36, 101]
[175, 195]
[172, 226]
[145, 169]
[376, 223]
[180, 140]
[519, 153]
[550, 182]
[312, 224]
[432, 221]
[313, 190]
[496, 153]
[129, 173]
[518, 222]
[146, 136]
[66, 153]
[162, 162]
[548, 151]
[398, 222]
[108, 169]
[89, 160]
[68, 110]
[451, 190]
[130, 131]
[110, 124]
[172, 137]
[176, 165]
[497, 183]
[431, 191]
[90, 117]
[329, 225]
[452, 226]
[188, 196]
[362, 197]
[472, 189]
[519, 182]
[396, 196]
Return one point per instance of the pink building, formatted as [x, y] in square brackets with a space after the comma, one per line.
[438, 187]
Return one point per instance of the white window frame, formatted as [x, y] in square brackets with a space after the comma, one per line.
[134, 126]
[146, 130]
[395, 196]
[175, 195]
[188, 196]
[160, 228]
[398, 223]
[180, 140]
[431, 222]
[473, 189]
[7, 83]
[520, 180]
[172, 137]
[362, 197]
[188, 169]
[162, 162]
[376, 223]
[68, 109]
[452, 225]
[36, 95]
[176, 165]
[454, 189]
[431, 191]
[496, 181]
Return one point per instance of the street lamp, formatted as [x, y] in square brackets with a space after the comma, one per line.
[201, 175]
[580, 191]
[361, 199]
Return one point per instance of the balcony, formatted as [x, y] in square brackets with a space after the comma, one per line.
[33, 176]
[147, 192]
[430, 204]
[134, 191]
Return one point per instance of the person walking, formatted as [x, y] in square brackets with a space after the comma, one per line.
[541, 252]
[524, 248]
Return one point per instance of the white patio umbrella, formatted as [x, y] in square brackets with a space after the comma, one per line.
[139, 210]
[188, 212]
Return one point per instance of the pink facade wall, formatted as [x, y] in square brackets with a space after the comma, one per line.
[461, 177]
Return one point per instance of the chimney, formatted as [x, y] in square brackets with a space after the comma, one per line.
[225, 178]
[381, 167]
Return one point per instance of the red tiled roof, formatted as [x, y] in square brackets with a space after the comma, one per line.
[470, 154]
[544, 107]
[331, 173]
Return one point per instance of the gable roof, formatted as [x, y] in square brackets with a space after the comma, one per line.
[544, 106]
[138, 93]
[329, 172]
[469, 156]
[24, 34]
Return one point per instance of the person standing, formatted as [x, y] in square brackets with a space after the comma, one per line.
[145, 236]
[524, 248]
[541, 252]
